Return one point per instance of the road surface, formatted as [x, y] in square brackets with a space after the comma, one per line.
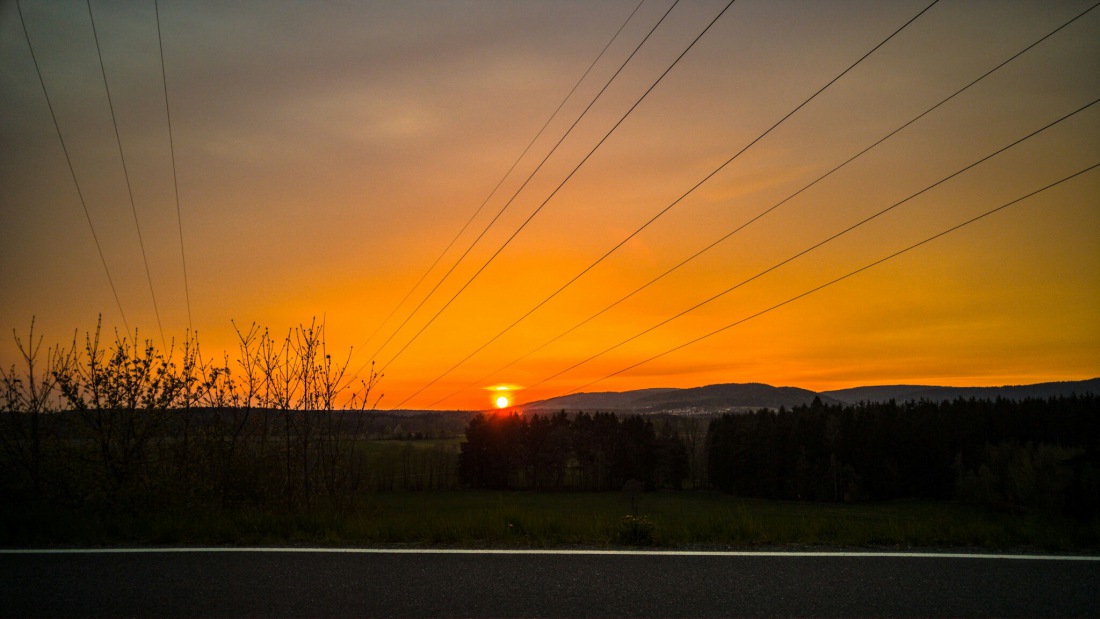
[302, 582]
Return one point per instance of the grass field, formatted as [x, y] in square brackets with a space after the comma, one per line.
[527, 519]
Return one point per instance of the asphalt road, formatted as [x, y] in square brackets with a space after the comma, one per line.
[327, 584]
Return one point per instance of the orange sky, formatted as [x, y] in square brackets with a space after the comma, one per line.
[326, 154]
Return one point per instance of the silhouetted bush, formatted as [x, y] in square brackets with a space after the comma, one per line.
[634, 531]
[125, 426]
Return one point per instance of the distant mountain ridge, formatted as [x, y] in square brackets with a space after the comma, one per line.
[903, 393]
[710, 397]
[734, 396]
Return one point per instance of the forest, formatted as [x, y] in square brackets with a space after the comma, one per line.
[578, 452]
[1009, 455]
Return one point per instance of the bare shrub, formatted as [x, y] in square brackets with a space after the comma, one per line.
[125, 424]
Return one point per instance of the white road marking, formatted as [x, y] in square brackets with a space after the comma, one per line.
[503, 551]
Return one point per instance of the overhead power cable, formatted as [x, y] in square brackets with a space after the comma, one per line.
[566, 180]
[505, 177]
[514, 195]
[72, 172]
[818, 244]
[837, 280]
[126, 175]
[175, 182]
[666, 209]
[730, 234]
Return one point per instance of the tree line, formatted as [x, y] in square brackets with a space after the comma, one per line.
[570, 452]
[1010, 455]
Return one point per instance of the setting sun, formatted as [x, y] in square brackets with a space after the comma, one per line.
[501, 395]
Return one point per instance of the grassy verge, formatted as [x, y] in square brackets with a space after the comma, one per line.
[520, 519]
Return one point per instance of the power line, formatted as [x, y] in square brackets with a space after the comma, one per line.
[175, 182]
[505, 177]
[126, 175]
[569, 176]
[517, 192]
[666, 209]
[818, 244]
[72, 172]
[837, 280]
[730, 234]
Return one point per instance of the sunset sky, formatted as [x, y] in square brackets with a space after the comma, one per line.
[327, 153]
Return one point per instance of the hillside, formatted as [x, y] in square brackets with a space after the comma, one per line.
[902, 393]
[709, 398]
[735, 396]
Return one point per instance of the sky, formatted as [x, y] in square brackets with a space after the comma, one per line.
[327, 153]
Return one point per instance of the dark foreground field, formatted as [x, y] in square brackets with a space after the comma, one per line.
[528, 519]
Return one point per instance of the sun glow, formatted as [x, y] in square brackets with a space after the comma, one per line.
[502, 395]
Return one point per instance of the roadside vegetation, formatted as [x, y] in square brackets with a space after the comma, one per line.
[116, 442]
